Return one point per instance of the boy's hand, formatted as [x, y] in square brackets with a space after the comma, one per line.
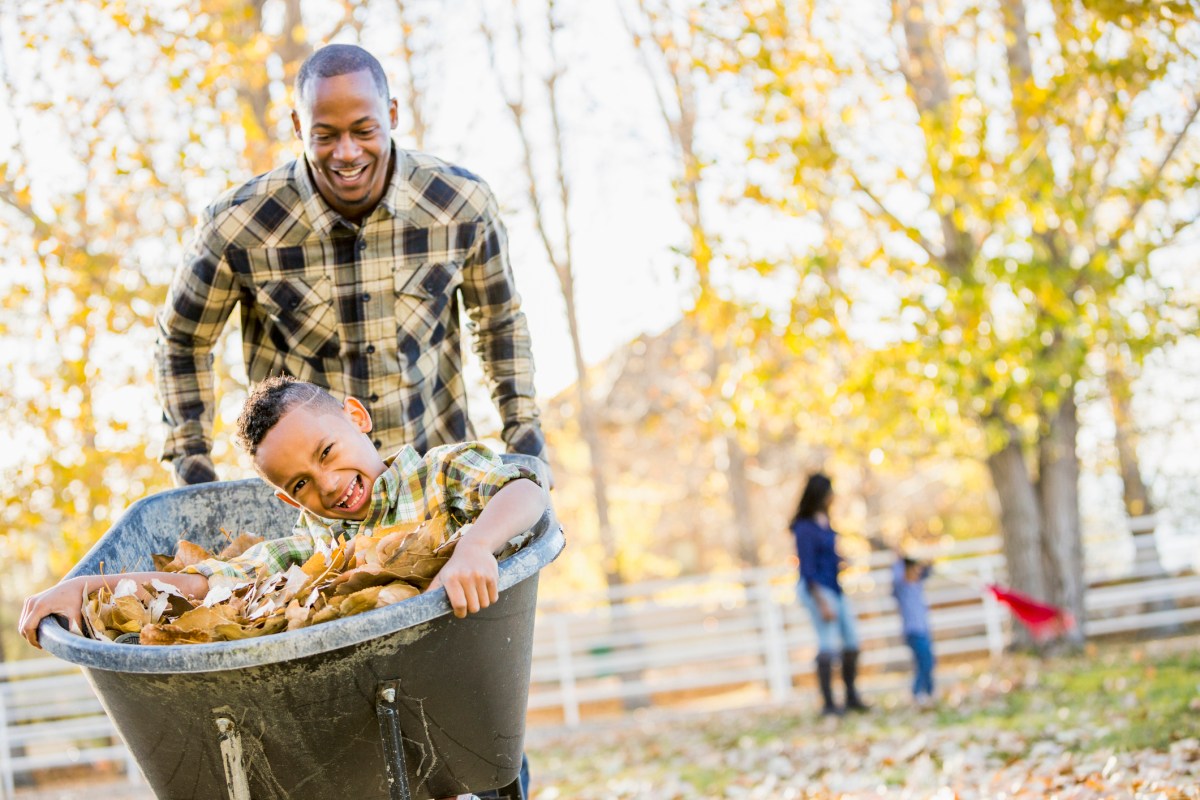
[471, 577]
[65, 598]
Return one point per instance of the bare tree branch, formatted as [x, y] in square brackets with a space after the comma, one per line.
[1152, 183]
[908, 230]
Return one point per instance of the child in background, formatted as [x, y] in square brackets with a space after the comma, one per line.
[908, 585]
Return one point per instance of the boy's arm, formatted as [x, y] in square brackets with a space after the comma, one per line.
[66, 597]
[471, 576]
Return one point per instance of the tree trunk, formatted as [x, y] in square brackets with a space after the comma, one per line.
[1137, 499]
[1147, 561]
[739, 501]
[1062, 538]
[1020, 524]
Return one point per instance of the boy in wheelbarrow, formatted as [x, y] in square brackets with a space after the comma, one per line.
[316, 453]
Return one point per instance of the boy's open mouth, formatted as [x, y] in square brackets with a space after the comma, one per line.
[353, 495]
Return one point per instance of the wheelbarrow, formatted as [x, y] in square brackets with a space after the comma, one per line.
[405, 702]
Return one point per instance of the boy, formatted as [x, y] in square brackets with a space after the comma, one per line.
[908, 585]
[316, 453]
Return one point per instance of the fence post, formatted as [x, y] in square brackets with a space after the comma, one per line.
[991, 613]
[779, 677]
[566, 672]
[7, 784]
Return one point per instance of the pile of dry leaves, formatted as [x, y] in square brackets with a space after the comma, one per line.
[339, 580]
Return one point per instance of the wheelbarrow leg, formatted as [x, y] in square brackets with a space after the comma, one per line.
[230, 739]
[393, 742]
[512, 791]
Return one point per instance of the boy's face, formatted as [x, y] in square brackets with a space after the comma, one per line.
[322, 460]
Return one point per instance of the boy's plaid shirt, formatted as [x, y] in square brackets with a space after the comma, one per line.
[453, 480]
[368, 311]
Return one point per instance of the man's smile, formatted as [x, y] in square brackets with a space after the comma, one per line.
[349, 174]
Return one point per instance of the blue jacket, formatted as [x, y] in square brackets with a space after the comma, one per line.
[817, 548]
[910, 597]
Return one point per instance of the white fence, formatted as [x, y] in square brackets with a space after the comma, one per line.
[667, 642]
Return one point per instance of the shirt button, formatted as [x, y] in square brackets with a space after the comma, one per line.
[370, 349]
[366, 296]
[374, 398]
[378, 444]
[362, 244]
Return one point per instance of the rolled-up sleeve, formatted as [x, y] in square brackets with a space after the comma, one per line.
[501, 331]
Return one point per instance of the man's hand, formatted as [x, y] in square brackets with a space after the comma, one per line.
[194, 469]
[471, 577]
[65, 598]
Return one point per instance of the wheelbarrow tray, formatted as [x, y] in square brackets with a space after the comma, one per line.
[318, 712]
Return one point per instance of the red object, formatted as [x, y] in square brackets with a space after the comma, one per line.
[1042, 620]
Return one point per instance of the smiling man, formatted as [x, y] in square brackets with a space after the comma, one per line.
[350, 266]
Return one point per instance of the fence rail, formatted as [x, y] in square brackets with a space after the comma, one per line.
[666, 641]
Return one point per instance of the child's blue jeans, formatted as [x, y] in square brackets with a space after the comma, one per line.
[923, 661]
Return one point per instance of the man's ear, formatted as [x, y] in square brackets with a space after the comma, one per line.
[288, 500]
[296, 125]
[358, 414]
[394, 112]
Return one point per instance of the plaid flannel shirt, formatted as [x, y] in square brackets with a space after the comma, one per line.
[452, 480]
[369, 311]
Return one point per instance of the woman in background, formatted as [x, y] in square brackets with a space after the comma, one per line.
[820, 592]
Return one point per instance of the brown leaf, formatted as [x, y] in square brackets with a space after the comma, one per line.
[128, 614]
[325, 614]
[297, 616]
[241, 544]
[360, 601]
[360, 578]
[394, 593]
[172, 634]
[204, 618]
[231, 631]
[186, 554]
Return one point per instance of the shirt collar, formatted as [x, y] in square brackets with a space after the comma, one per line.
[323, 219]
[385, 494]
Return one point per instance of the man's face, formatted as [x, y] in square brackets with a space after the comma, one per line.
[322, 460]
[344, 125]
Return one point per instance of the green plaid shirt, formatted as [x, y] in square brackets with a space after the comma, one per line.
[454, 480]
[369, 311]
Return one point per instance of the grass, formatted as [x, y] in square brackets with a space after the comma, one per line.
[1116, 717]
[1120, 700]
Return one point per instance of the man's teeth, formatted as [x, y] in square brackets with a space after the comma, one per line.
[351, 174]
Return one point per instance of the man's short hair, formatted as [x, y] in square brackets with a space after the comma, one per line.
[339, 59]
[271, 400]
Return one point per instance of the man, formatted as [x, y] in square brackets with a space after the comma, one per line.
[349, 266]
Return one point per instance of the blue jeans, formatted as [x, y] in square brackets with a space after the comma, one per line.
[836, 634]
[524, 778]
[923, 661]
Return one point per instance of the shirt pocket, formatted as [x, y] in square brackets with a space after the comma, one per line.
[301, 312]
[425, 300]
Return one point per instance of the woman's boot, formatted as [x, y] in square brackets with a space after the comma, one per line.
[825, 679]
[849, 675]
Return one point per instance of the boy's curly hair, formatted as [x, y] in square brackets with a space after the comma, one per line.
[270, 401]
